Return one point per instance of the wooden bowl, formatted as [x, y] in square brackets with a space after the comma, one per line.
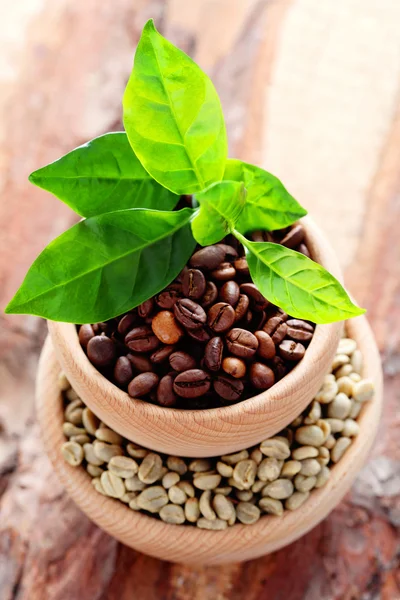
[188, 544]
[205, 432]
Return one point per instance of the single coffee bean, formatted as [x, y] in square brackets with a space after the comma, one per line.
[210, 294]
[172, 513]
[166, 328]
[244, 473]
[266, 347]
[104, 451]
[279, 334]
[280, 489]
[220, 317]
[190, 314]
[105, 434]
[224, 272]
[152, 499]
[247, 513]
[200, 335]
[290, 350]
[146, 308]
[215, 525]
[294, 237]
[182, 361]
[168, 297]
[162, 354]
[123, 466]
[208, 258]
[269, 469]
[241, 266]
[241, 307]
[193, 284]
[113, 485]
[150, 469]
[192, 383]
[86, 333]
[224, 508]
[207, 481]
[127, 323]
[90, 421]
[142, 384]
[241, 342]
[101, 351]
[123, 371]
[230, 251]
[234, 367]
[192, 510]
[165, 391]
[142, 339]
[257, 300]
[233, 459]
[271, 506]
[274, 322]
[140, 362]
[73, 453]
[261, 376]
[278, 366]
[276, 447]
[229, 293]
[213, 354]
[227, 388]
[299, 330]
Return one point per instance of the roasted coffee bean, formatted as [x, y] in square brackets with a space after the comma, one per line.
[234, 367]
[165, 392]
[274, 322]
[213, 354]
[261, 376]
[227, 388]
[257, 300]
[101, 351]
[279, 334]
[241, 342]
[241, 307]
[146, 308]
[230, 251]
[210, 294]
[127, 323]
[162, 354]
[200, 335]
[241, 266]
[190, 314]
[229, 293]
[290, 350]
[166, 328]
[266, 347]
[123, 371]
[279, 367]
[86, 333]
[142, 384]
[299, 330]
[140, 362]
[192, 383]
[193, 284]
[168, 298]
[220, 317]
[182, 361]
[294, 237]
[209, 257]
[142, 339]
[224, 272]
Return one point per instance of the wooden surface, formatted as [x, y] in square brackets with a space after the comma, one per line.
[311, 91]
[188, 544]
[207, 432]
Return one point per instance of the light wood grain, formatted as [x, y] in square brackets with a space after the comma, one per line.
[205, 432]
[188, 544]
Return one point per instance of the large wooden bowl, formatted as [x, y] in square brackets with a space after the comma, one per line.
[187, 544]
[206, 432]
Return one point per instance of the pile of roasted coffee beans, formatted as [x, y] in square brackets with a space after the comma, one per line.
[209, 339]
[278, 474]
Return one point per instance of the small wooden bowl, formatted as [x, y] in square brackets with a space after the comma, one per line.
[188, 544]
[205, 432]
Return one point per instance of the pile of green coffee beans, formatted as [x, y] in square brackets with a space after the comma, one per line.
[213, 493]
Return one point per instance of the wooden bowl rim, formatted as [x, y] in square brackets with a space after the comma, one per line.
[120, 401]
[239, 542]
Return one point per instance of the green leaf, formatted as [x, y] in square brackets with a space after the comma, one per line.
[269, 205]
[220, 207]
[173, 117]
[103, 175]
[106, 265]
[298, 285]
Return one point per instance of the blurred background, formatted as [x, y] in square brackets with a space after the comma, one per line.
[311, 92]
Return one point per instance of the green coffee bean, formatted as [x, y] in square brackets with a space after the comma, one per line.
[296, 500]
[136, 451]
[340, 448]
[90, 455]
[205, 506]
[224, 509]
[207, 482]
[245, 472]
[269, 469]
[72, 453]
[152, 499]
[176, 464]
[310, 466]
[133, 484]
[247, 513]
[290, 468]
[275, 448]
[123, 466]
[171, 513]
[112, 484]
[151, 468]
[232, 459]
[216, 525]
[176, 495]
[224, 470]
[271, 506]
[171, 478]
[105, 451]
[200, 465]
[90, 421]
[279, 489]
[192, 510]
[104, 434]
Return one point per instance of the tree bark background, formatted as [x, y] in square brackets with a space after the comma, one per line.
[310, 91]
